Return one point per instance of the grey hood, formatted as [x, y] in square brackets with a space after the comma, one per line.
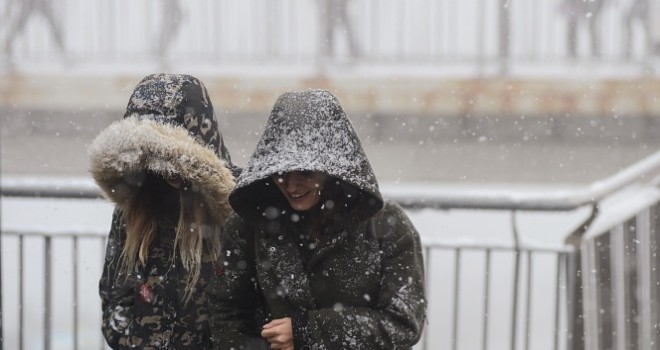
[307, 131]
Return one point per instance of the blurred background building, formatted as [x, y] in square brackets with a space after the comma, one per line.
[470, 96]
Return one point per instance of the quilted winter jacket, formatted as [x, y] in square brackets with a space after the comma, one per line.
[361, 287]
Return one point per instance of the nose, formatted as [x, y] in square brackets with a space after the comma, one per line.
[293, 181]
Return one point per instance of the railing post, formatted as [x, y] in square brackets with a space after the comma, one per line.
[484, 340]
[516, 273]
[654, 246]
[427, 267]
[104, 244]
[21, 291]
[560, 266]
[645, 280]
[528, 303]
[574, 286]
[574, 302]
[47, 291]
[1, 313]
[75, 293]
[457, 288]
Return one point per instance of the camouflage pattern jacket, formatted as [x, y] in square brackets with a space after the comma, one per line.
[146, 310]
[169, 129]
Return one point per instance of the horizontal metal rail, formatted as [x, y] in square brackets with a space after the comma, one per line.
[409, 196]
[646, 169]
[35, 187]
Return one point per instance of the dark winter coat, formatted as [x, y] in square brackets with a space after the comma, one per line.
[169, 129]
[361, 287]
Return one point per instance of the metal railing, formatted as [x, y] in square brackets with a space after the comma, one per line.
[49, 265]
[622, 278]
[520, 294]
[606, 275]
[487, 35]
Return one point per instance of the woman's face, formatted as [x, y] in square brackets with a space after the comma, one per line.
[301, 189]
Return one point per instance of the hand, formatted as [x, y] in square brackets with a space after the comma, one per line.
[279, 333]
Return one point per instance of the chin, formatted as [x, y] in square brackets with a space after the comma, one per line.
[302, 207]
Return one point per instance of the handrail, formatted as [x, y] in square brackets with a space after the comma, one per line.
[49, 187]
[552, 200]
[409, 196]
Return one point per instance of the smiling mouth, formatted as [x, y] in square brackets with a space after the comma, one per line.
[297, 196]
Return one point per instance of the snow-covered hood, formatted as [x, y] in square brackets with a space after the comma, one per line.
[169, 129]
[306, 131]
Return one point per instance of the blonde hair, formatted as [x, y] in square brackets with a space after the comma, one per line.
[195, 227]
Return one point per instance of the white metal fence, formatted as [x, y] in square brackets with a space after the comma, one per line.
[622, 261]
[485, 294]
[597, 290]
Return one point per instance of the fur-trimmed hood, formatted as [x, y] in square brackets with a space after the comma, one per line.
[169, 129]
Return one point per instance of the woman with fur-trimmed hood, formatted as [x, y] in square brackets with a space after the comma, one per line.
[168, 172]
[313, 257]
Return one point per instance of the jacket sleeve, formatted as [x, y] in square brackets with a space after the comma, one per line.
[232, 293]
[117, 294]
[399, 314]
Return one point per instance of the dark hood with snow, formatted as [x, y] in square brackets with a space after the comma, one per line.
[307, 131]
[351, 279]
[170, 129]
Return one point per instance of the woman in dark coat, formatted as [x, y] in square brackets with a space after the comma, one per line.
[315, 258]
[166, 169]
